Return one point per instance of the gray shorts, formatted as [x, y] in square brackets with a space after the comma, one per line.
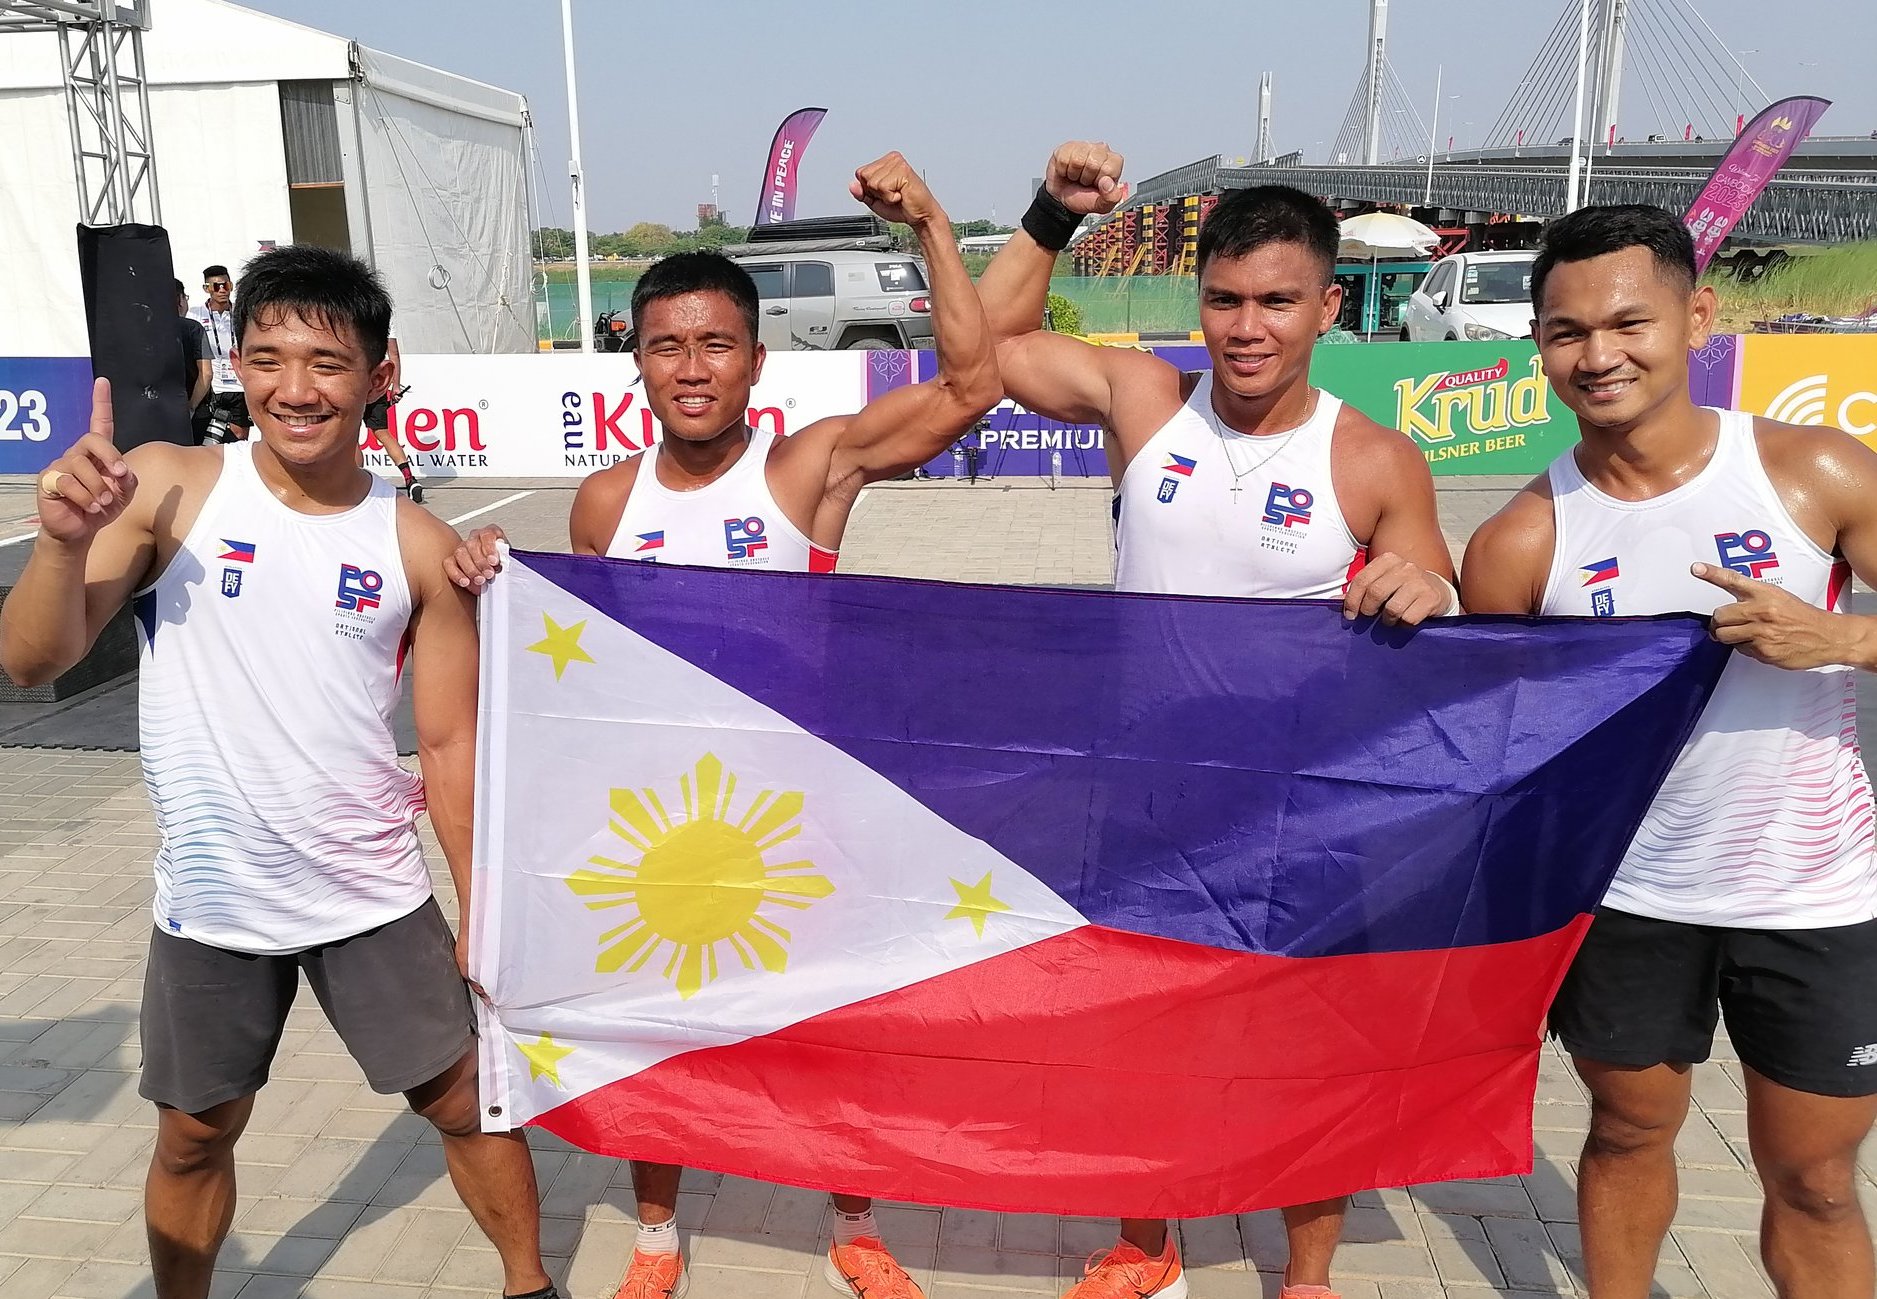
[212, 1018]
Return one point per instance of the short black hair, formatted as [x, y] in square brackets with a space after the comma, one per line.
[210, 272]
[181, 292]
[1248, 219]
[1598, 231]
[704, 272]
[323, 287]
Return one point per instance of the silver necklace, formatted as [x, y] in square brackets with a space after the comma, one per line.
[1282, 439]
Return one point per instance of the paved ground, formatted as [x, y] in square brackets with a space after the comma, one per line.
[344, 1195]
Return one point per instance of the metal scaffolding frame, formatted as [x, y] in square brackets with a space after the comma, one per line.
[107, 101]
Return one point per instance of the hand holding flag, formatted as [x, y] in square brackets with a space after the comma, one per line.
[477, 558]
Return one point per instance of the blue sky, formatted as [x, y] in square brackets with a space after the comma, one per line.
[977, 93]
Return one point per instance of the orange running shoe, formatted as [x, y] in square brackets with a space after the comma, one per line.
[1126, 1272]
[866, 1270]
[654, 1276]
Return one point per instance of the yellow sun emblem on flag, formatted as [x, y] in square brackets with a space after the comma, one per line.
[701, 880]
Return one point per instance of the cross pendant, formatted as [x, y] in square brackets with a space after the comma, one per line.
[1236, 489]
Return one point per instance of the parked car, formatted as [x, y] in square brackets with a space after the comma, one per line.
[1474, 296]
[832, 299]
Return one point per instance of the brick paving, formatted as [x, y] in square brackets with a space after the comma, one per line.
[344, 1194]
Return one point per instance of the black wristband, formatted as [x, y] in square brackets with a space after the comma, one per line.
[1050, 223]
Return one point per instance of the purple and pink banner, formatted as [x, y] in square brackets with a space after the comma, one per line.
[1756, 157]
[785, 161]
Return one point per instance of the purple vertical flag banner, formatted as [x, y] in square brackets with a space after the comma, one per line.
[785, 161]
[1756, 157]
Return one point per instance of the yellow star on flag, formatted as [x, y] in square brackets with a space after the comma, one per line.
[544, 1058]
[562, 644]
[975, 903]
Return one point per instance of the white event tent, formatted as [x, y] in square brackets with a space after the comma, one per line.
[268, 132]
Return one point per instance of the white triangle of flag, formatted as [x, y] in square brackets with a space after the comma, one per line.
[665, 864]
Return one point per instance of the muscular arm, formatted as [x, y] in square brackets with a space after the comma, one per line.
[598, 506]
[908, 426]
[1408, 523]
[1509, 556]
[444, 659]
[1054, 375]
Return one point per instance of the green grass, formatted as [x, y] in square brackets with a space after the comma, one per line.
[1838, 281]
[599, 272]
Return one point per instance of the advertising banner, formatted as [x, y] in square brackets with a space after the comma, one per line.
[45, 406]
[1755, 158]
[1472, 408]
[1812, 379]
[566, 414]
[785, 161]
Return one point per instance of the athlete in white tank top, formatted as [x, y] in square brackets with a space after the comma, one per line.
[719, 494]
[1766, 819]
[1205, 510]
[271, 647]
[731, 522]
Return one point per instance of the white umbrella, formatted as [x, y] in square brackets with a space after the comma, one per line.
[1376, 235]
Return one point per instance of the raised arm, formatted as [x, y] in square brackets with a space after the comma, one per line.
[908, 426]
[95, 543]
[1052, 374]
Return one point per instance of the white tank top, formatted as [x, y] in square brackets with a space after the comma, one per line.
[733, 523]
[1206, 510]
[271, 648]
[1765, 820]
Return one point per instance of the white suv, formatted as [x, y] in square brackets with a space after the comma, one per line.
[1475, 296]
[840, 299]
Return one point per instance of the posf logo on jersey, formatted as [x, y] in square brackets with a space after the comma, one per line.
[1286, 506]
[359, 588]
[1748, 553]
[743, 538]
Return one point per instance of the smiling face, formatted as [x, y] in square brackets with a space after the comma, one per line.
[699, 362]
[1614, 332]
[1262, 314]
[307, 384]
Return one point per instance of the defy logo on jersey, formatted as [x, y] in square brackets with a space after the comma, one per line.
[359, 588]
[1286, 507]
[1749, 553]
[743, 538]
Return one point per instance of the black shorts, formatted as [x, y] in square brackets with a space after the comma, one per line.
[378, 414]
[212, 1018]
[1798, 1002]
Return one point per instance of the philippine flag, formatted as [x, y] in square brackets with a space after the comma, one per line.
[239, 552]
[1181, 465]
[650, 541]
[1191, 907]
[1604, 570]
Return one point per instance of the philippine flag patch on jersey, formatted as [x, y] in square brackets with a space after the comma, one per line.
[1603, 570]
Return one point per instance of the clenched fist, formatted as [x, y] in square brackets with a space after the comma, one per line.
[895, 191]
[1085, 177]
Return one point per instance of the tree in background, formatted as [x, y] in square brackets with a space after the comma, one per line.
[552, 244]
